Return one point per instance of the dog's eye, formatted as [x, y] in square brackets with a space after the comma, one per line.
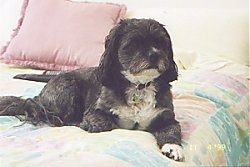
[131, 46]
[161, 43]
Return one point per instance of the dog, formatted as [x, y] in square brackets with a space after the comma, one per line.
[130, 89]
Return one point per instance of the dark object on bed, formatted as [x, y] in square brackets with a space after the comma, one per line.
[45, 77]
[129, 89]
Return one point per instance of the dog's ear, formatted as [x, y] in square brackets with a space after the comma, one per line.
[171, 73]
[109, 66]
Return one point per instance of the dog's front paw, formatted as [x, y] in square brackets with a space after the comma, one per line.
[173, 151]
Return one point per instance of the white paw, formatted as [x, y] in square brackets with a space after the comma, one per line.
[173, 151]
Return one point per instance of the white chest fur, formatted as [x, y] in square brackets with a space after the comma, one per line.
[137, 113]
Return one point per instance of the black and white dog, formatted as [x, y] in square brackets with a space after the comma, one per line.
[129, 89]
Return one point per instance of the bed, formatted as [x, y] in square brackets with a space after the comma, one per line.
[211, 95]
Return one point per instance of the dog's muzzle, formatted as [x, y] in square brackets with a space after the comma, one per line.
[157, 60]
[154, 58]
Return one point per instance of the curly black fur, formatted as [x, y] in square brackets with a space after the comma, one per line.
[86, 97]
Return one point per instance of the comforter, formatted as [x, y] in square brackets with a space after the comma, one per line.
[212, 108]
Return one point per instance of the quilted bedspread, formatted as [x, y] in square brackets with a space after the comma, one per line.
[212, 108]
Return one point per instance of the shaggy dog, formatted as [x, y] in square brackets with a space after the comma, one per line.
[129, 89]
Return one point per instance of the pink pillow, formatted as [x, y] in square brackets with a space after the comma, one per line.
[61, 34]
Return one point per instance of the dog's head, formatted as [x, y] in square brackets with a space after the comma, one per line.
[139, 50]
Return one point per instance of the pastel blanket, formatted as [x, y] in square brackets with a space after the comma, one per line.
[212, 108]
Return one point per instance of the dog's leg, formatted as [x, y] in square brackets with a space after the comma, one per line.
[169, 143]
[167, 132]
[169, 140]
[11, 105]
[98, 121]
